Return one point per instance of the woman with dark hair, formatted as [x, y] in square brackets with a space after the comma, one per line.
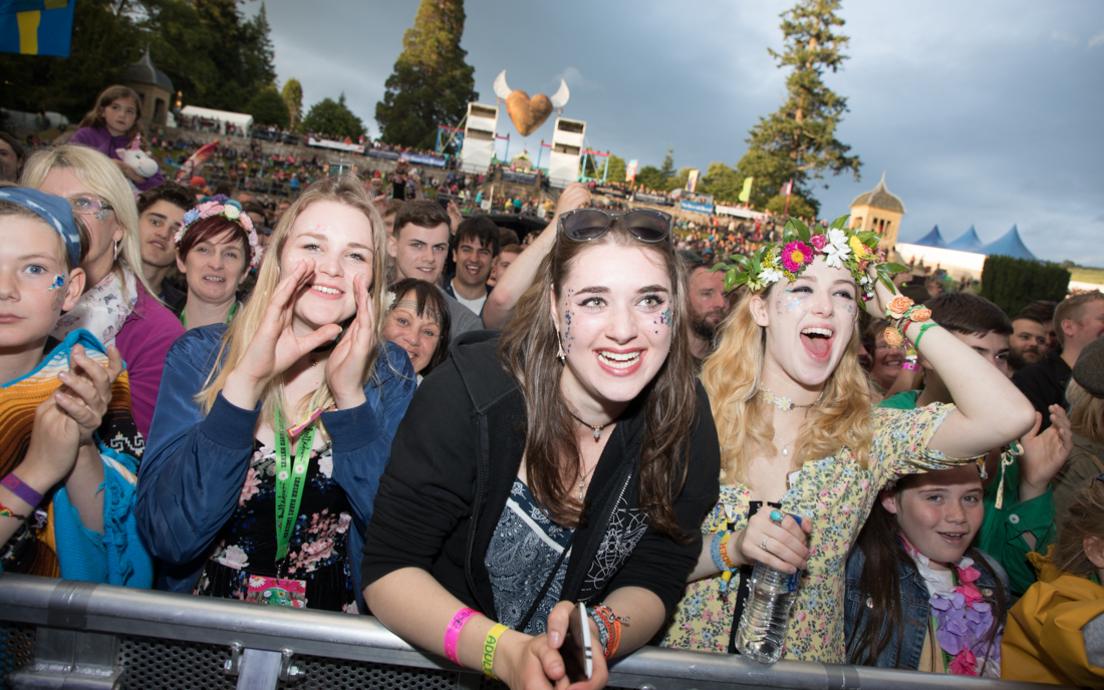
[570, 461]
[215, 248]
[114, 123]
[12, 156]
[418, 322]
[919, 597]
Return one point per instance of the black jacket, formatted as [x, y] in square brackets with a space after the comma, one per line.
[455, 457]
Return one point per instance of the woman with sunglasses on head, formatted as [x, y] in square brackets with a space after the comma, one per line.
[571, 460]
[117, 305]
[800, 441]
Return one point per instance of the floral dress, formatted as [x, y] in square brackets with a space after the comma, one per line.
[246, 547]
[836, 493]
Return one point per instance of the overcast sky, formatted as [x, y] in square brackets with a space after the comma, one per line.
[984, 113]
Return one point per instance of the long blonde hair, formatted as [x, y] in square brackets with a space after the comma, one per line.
[103, 178]
[345, 190]
[840, 418]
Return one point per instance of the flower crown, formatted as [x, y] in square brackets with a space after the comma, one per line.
[220, 205]
[841, 247]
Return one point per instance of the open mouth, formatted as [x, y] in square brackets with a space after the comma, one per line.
[620, 363]
[817, 341]
[215, 279]
[327, 291]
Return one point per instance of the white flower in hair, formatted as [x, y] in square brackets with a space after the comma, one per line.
[837, 250]
[769, 276]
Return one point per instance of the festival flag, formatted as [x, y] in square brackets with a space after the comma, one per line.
[692, 180]
[191, 166]
[745, 193]
[630, 170]
[787, 188]
[36, 27]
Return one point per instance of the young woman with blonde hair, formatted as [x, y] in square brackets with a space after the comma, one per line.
[271, 432]
[799, 438]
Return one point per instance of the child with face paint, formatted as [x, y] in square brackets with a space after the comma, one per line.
[66, 498]
[799, 438]
[919, 597]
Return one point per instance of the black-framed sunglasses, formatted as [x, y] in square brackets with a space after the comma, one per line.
[585, 224]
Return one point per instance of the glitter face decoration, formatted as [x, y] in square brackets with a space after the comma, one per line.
[59, 282]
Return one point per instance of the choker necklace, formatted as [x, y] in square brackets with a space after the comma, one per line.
[782, 402]
[596, 430]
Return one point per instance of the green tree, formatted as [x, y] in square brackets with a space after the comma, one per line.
[333, 118]
[723, 182]
[651, 177]
[432, 83]
[799, 207]
[292, 94]
[105, 40]
[668, 167]
[268, 108]
[798, 141]
[616, 170]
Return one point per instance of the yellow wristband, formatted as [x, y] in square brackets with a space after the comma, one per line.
[490, 644]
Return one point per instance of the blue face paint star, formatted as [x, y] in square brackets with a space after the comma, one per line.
[59, 282]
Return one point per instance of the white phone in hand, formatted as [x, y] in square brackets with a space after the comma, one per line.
[576, 649]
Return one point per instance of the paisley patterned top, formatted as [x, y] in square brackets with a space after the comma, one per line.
[836, 493]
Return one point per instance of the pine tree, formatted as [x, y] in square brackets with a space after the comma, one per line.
[292, 93]
[431, 83]
[798, 141]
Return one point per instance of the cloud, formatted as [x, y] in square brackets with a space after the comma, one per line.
[1097, 40]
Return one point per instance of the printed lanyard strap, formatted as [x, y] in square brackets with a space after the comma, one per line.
[290, 480]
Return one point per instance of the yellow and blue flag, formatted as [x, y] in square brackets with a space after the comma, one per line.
[36, 27]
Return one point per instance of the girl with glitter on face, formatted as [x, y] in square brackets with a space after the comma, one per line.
[568, 461]
[799, 438]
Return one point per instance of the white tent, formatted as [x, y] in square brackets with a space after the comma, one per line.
[223, 117]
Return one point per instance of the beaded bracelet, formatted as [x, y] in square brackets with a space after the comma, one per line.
[452, 633]
[490, 644]
[5, 511]
[609, 628]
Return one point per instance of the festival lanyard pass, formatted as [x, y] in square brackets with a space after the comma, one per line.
[291, 477]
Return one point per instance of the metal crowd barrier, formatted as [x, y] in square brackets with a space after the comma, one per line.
[62, 634]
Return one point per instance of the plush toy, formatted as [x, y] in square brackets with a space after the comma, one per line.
[137, 160]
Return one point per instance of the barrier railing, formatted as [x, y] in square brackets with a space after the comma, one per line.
[56, 633]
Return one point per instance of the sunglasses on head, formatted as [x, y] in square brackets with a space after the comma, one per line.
[585, 224]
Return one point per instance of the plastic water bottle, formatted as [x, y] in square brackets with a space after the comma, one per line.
[766, 613]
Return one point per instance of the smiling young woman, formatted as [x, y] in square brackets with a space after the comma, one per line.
[298, 399]
[799, 438]
[570, 461]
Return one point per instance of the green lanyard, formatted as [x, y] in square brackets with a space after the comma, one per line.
[290, 480]
[229, 316]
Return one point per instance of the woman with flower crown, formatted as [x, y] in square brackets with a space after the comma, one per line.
[216, 247]
[799, 438]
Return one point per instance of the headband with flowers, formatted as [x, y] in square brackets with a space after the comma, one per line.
[221, 205]
[841, 247]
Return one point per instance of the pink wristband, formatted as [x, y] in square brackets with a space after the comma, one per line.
[452, 633]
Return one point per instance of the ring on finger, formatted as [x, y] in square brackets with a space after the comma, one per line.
[763, 545]
[776, 516]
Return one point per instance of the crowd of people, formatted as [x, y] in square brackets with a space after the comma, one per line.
[363, 401]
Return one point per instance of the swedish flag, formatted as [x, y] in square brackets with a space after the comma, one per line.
[36, 27]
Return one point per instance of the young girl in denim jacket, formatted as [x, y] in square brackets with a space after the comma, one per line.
[919, 596]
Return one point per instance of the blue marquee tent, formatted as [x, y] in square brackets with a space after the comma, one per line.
[1009, 244]
[934, 238]
[967, 242]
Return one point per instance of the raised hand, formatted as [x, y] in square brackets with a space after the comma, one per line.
[275, 346]
[347, 365]
[575, 195]
[86, 392]
[1045, 453]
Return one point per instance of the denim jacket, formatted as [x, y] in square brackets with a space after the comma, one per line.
[907, 643]
[196, 463]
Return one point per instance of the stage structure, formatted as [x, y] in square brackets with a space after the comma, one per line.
[567, 151]
[480, 128]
